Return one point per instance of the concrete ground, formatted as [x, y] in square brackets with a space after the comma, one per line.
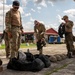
[64, 67]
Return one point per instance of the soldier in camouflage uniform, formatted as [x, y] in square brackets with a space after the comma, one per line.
[14, 28]
[39, 32]
[69, 36]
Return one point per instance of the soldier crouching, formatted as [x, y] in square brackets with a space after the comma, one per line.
[39, 30]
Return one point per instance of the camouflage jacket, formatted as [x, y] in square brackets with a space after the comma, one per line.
[39, 31]
[68, 26]
[9, 20]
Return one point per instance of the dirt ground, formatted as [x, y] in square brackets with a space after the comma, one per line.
[50, 49]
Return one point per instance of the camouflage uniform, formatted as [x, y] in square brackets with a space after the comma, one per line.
[39, 33]
[69, 37]
[14, 25]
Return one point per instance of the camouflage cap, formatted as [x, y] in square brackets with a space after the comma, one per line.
[35, 21]
[65, 17]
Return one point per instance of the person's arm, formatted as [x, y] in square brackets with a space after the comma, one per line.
[35, 35]
[70, 25]
[21, 27]
[43, 29]
[8, 23]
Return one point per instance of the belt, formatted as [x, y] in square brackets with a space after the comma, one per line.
[15, 26]
[66, 33]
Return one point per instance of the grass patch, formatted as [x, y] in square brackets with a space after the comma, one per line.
[31, 45]
[23, 45]
[2, 46]
[57, 69]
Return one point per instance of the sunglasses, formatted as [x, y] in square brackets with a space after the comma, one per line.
[16, 7]
[64, 19]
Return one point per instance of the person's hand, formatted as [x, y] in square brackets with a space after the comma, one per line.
[42, 33]
[9, 34]
[22, 31]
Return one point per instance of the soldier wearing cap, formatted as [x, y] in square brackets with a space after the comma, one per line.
[69, 36]
[39, 31]
[14, 27]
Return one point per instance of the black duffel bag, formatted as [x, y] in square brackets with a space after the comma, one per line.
[19, 65]
[44, 58]
[35, 65]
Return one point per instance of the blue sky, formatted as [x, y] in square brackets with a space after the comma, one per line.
[49, 12]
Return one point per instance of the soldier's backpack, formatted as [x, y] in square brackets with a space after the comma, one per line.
[61, 30]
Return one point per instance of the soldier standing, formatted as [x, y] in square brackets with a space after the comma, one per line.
[14, 28]
[69, 36]
[39, 32]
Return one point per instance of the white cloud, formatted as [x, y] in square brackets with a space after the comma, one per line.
[37, 1]
[51, 3]
[21, 10]
[29, 23]
[41, 2]
[32, 10]
[28, 14]
[31, 19]
[59, 19]
[1, 20]
[39, 11]
[24, 2]
[2, 1]
[28, 26]
[41, 21]
[54, 26]
[47, 26]
[70, 12]
[55, 0]
[39, 8]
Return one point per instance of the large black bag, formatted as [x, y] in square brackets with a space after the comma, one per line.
[37, 65]
[18, 65]
[29, 56]
[44, 58]
[27, 63]
[61, 30]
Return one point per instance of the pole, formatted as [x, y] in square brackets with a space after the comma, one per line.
[3, 14]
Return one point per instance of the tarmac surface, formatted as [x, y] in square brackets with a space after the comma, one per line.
[64, 67]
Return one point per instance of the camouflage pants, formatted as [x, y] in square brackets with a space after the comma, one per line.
[15, 44]
[7, 44]
[69, 42]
